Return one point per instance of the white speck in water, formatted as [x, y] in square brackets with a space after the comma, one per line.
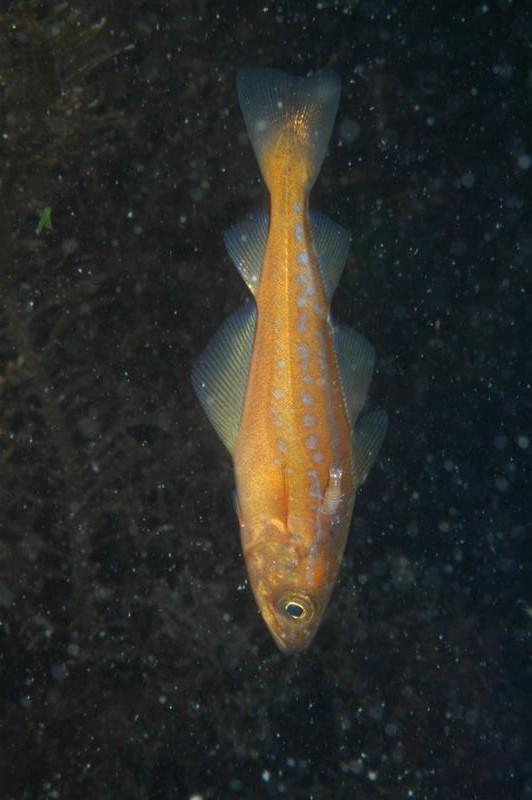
[467, 180]
[502, 484]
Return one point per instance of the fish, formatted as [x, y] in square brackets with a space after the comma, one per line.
[285, 386]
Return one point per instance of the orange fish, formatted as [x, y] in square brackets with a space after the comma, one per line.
[283, 385]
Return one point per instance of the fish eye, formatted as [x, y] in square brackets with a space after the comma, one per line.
[294, 610]
[296, 607]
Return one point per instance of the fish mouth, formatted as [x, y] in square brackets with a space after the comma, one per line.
[291, 642]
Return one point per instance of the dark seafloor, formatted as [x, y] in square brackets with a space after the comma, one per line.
[133, 663]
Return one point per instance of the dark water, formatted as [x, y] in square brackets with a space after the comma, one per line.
[133, 663]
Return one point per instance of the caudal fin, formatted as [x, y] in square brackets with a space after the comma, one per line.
[282, 111]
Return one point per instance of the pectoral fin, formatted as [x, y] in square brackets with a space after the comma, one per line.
[356, 358]
[220, 374]
[368, 436]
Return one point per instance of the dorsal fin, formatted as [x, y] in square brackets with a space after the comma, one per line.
[245, 244]
[331, 242]
[220, 374]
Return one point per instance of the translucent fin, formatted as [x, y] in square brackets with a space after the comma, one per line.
[356, 359]
[332, 244]
[246, 243]
[288, 117]
[220, 374]
[367, 440]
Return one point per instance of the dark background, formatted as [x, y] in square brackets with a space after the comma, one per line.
[133, 662]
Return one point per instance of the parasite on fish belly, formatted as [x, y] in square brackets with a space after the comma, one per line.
[285, 387]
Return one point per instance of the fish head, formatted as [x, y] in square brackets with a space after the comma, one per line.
[291, 581]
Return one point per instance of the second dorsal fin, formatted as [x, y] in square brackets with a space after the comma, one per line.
[246, 244]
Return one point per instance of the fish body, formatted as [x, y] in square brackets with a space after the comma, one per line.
[284, 386]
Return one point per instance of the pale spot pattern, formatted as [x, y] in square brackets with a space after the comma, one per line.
[302, 323]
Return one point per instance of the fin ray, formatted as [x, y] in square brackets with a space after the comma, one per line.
[368, 437]
[356, 361]
[274, 103]
[331, 243]
[220, 374]
[245, 243]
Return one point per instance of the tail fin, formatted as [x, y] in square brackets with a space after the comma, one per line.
[281, 110]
